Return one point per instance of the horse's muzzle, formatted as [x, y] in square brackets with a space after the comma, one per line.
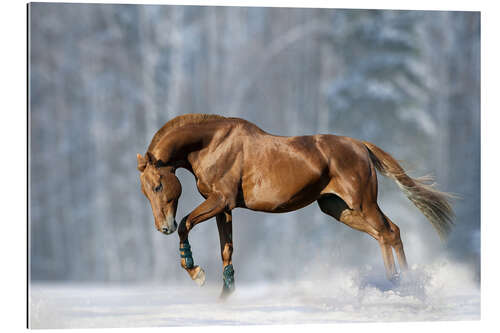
[168, 230]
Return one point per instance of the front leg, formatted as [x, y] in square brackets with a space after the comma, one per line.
[225, 226]
[209, 208]
[195, 272]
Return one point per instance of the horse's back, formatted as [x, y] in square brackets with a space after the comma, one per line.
[278, 173]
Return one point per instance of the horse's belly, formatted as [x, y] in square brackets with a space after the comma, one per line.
[279, 197]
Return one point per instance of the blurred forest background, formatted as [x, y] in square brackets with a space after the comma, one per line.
[104, 78]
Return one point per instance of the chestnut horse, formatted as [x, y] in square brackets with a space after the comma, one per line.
[236, 164]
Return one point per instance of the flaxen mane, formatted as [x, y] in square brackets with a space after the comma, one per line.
[179, 121]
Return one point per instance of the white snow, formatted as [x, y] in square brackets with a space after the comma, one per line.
[443, 291]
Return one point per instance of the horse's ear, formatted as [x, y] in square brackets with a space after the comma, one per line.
[141, 163]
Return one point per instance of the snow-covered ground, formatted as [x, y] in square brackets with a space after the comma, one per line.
[443, 291]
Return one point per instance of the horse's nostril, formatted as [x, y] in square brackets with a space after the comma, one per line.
[165, 230]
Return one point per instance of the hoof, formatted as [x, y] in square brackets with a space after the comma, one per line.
[225, 293]
[228, 281]
[199, 277]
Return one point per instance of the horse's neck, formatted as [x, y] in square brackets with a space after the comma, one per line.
[178, 144]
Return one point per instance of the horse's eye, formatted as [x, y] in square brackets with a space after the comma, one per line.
[158, 188]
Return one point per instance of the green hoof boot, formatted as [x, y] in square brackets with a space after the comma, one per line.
[228, 279]
[185, 250]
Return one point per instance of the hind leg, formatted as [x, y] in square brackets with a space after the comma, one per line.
[384, 235]
[397, 244]
[388, 238]
[400, 252]
[370, 220]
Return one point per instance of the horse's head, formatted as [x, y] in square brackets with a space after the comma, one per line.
[162, 188]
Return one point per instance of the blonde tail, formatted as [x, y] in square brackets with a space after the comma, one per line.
[432, 203]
